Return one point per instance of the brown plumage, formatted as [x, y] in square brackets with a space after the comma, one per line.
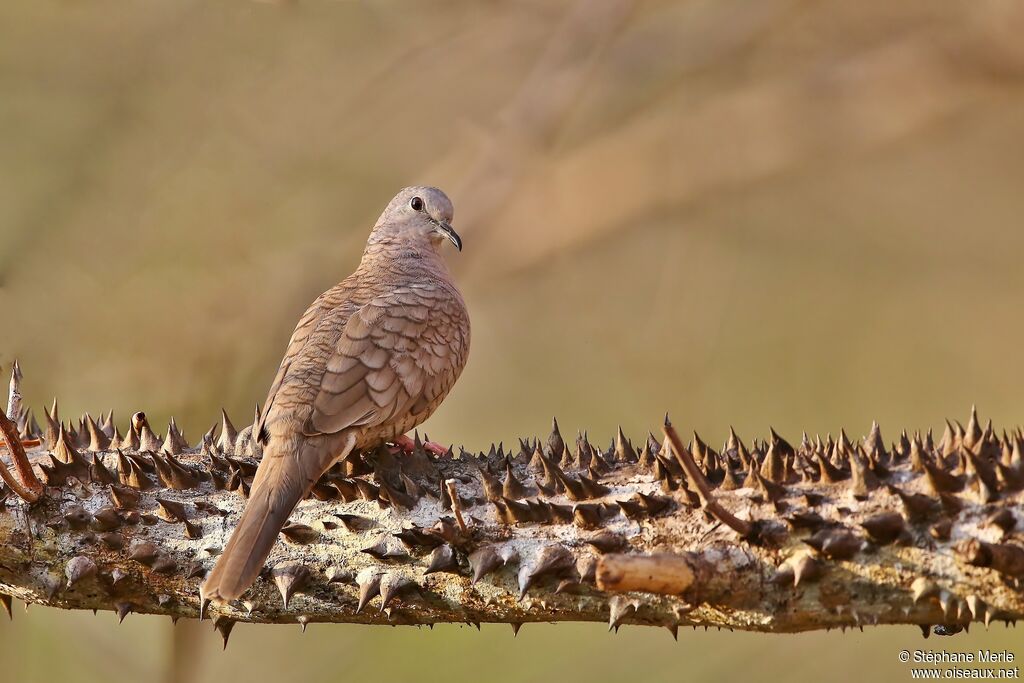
[372, 358]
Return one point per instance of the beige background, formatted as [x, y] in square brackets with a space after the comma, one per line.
[803, 214]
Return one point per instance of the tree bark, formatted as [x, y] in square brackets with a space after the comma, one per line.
[760, 536]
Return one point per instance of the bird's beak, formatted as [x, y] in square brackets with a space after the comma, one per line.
[449, 232]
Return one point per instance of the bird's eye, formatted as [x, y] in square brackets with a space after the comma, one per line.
[416, 204]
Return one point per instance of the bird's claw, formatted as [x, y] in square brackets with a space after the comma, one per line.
[407, 445]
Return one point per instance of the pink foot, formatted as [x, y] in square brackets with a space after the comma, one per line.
[406, 445]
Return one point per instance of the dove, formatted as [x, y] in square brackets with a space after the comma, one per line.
[372, 358]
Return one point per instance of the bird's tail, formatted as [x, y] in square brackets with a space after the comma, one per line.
[287, 472]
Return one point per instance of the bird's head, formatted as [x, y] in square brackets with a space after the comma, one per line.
[417, 216]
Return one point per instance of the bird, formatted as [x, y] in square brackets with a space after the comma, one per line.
[372, 358]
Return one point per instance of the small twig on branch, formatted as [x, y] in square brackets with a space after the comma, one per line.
[456, 504]
[29, 487]
[663, 573]
[698, 482]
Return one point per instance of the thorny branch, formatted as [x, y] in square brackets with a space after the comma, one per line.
[759, 536]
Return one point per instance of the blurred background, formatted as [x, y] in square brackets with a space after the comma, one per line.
[798, 213]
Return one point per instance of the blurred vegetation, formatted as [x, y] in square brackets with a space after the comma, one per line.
[804, 214]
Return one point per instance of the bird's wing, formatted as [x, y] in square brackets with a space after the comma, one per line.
[306, 326]
[394, 357]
